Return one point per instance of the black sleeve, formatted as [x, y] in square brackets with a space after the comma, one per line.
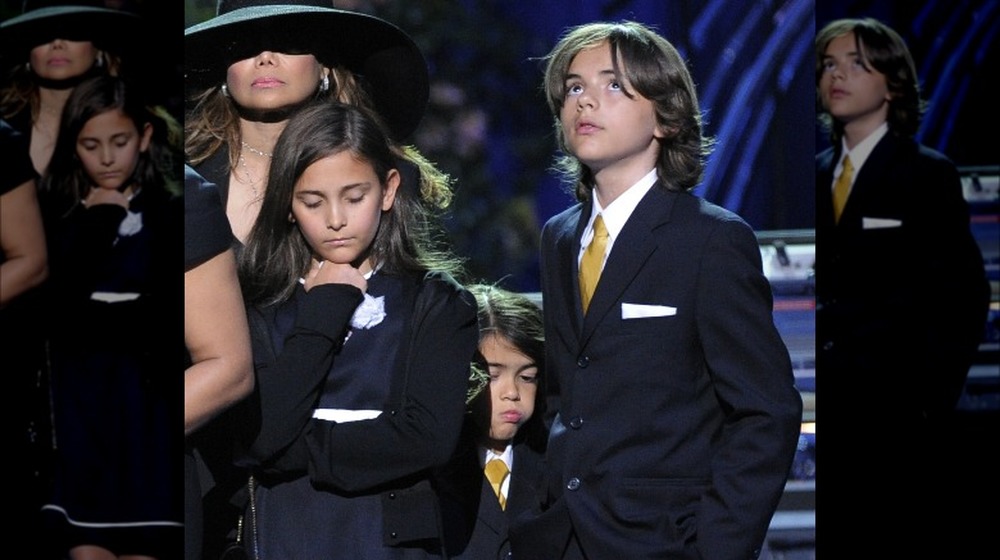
[17, 167]
[206, 228]
[423, 430]
[289, 383]
[951, 264]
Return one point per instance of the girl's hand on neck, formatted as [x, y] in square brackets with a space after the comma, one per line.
[107, 196]
[326, 272]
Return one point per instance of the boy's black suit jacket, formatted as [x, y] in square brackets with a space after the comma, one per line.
[675, 432]
[476, 527]
[902, 299]
[900, 283]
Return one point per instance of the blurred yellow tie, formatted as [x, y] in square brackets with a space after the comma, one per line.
[496, 472]
[841, 188]
[592, 262]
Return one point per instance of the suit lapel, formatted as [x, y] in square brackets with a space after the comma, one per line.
[824, 198]
[870, 179]
[631, 250]
[491, 515]
[526, 484]
[567, 250]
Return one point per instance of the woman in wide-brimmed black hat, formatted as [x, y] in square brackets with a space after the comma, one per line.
[250, 67]
[46, 51]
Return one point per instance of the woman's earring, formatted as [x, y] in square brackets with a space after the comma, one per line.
[27, 66]
[225, 90]
[324, 86]
[99, 61]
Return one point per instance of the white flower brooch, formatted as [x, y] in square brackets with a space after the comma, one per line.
[131, 225]
[371, 312]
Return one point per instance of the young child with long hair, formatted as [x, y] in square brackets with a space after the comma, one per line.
[676, 414]
[889, 208]
[362, 343]
[114, 227]
[497, 472]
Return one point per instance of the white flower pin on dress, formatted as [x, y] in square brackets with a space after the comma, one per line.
[371, 312]
[131, 225]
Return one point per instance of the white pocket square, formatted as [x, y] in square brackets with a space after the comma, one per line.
[641, 311]
[880, 223]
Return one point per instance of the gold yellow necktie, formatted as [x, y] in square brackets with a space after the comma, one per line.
[592, 262]
[496, 472]
[841, 189]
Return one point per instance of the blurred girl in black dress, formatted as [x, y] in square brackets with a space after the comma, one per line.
[114, 225]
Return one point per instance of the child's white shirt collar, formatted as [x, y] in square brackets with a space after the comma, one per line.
[859, 155]
[618, 212]
[507, 456]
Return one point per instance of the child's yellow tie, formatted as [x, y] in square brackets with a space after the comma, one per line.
[592, 262]
[496, 472]
[841, 189]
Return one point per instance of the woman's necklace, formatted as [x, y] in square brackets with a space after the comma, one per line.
[250, 179]
[253, 150]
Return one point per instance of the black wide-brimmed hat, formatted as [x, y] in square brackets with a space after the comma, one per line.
[75, 20]
[386, 59]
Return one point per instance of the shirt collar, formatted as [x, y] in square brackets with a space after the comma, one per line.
[862, 150]
[618, 212]
[507, 456]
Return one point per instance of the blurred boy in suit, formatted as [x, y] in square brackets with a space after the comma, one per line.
[902, 297]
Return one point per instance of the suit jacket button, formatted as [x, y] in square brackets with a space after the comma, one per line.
[576, 422]
[582, 361]
[573, 484]
[392, 495]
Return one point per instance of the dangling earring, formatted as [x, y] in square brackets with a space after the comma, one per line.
[225, 90]
[27, 66]
[99, 61]
[324, 86]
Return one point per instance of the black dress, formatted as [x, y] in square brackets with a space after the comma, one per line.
[381, 410]
[290, 513]
[23, 353]
[206, 234]
[115, 330]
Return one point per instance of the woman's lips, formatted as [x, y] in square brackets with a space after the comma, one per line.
[267, 83]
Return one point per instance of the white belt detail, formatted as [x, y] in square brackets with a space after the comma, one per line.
[344, 415]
